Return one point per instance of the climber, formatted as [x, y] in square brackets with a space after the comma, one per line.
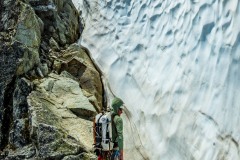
[117, 129]
[109, 138]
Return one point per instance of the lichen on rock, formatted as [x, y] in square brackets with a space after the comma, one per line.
[55, 128]
[61, 19]
[29, 35]
[44, 115]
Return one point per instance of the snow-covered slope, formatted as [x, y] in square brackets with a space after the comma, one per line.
[176, 65]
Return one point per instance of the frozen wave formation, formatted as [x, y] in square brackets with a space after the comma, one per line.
[176, 65]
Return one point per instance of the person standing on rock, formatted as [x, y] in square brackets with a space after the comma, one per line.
[117, 129]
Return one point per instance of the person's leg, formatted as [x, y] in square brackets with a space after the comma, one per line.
[115, 155]
[112, 156]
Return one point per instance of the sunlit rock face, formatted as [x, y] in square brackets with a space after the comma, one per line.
[176, 65]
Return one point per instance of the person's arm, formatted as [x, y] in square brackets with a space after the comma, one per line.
[119, 127]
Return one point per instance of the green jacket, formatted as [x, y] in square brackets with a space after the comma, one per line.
[117, 127]
[117, 132]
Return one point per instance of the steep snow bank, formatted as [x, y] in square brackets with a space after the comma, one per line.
[176, 65]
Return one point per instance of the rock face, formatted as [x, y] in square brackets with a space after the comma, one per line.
[55, 129]
[29, 35]
[76, 61]
[61, 19]
[19, 53]
[19, 134]
[45, 115]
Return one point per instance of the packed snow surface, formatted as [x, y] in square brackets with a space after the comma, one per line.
[176, 65]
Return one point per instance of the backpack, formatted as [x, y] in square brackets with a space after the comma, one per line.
[102, 129]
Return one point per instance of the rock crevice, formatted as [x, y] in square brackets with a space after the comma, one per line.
[7, 113]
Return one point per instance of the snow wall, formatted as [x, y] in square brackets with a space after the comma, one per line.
[176, 65]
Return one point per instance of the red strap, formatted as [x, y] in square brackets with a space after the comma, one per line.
[100, 157]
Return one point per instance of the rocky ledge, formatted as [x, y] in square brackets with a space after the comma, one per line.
[50, 89]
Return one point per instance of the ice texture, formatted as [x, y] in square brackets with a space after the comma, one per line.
[176, 65]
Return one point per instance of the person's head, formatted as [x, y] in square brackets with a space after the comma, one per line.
[117, 105]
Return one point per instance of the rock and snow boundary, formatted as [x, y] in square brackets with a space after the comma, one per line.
[176, 66]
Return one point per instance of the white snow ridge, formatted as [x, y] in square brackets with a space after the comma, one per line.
[176, 65]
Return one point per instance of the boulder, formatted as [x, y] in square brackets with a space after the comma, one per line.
[76, 61]
[55, 129]
[29, 35]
